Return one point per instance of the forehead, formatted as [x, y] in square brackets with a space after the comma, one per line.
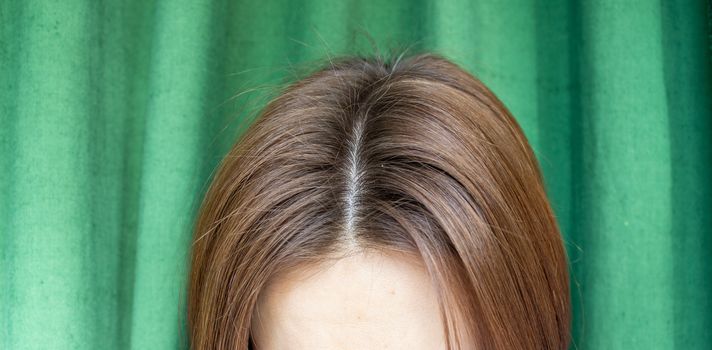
[366, 300]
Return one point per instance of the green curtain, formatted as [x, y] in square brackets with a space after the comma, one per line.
[113, 115]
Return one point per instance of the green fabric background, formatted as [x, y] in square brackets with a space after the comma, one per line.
[113, 115]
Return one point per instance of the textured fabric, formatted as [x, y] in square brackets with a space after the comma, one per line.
[115, 113]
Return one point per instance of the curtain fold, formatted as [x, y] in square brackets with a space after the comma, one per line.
[114, 114]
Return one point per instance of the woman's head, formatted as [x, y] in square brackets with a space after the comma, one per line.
[411, 165]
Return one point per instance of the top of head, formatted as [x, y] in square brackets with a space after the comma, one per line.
[412, 155]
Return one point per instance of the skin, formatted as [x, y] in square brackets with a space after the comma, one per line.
[366, 300]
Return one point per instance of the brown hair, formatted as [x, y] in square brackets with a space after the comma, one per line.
[408, 154]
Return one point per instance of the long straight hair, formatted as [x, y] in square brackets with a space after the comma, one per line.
[410, 154]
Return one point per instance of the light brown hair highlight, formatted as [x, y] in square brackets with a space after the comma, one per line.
[411, 154]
